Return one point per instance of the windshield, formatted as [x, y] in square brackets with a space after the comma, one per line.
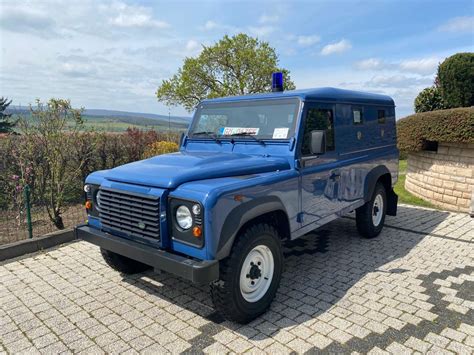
[262, 119]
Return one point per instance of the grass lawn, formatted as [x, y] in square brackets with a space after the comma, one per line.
[403, 195]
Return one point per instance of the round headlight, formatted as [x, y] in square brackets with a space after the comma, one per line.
[183, 217]
[87, 188]
[98, 201]
[196, 209]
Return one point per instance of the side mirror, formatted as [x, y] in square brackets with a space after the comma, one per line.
[318, 142]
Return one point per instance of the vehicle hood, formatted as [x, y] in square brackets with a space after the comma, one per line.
[171, 170]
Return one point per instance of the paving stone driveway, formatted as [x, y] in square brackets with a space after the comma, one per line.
[410, 290]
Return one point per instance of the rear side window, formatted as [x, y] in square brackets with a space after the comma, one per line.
[318, 119]
[357, 116]
[381, 116]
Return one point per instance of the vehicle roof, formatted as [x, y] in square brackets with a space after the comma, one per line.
[320, 94]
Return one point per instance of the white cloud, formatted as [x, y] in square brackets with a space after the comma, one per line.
[459, 24]
[338, 47]
[261, 31]
[423, 66]
[134, 16]
[265, 18]
[77, 69]
[210, 25]
[370, 64]
[307, 41]
[398, 81]
[192, 45]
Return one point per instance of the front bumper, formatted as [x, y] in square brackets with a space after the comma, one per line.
[199, 272]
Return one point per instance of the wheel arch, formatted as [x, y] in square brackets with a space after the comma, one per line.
[269, 209]
[383, 175]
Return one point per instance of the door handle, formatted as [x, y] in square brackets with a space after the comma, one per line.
[335, 176]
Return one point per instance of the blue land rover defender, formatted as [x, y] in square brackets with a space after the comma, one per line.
[251, 171]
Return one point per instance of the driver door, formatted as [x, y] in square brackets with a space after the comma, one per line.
[319, 173]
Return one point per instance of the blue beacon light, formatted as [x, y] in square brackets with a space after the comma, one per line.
[277, 81]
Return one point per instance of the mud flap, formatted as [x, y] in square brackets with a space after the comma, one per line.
[392, 202]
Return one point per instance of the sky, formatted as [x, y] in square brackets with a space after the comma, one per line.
[114, 54]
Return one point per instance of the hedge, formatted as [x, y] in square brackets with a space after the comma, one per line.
[453, 126]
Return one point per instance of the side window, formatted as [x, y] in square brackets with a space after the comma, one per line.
[381, 116]
[357, 115]
[318, 119]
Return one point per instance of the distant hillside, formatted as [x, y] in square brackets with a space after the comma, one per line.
[117, 121]
[109, 113]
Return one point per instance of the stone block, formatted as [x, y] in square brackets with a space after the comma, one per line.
[443, 149]
[450, 199]
[448, 184]
[463, 202]
[448, 192]
[438, 197]
[454, 151]
[467, 172]
[438, 183]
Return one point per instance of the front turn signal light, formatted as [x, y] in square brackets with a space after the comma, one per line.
[88, 205]
[197, 231]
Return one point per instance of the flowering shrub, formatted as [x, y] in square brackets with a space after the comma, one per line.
[158, 148]
[53, 154]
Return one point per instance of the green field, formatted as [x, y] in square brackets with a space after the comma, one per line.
[120, 124]
[403, 195]
[117, 125]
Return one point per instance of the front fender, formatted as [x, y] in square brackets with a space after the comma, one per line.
[242, 214]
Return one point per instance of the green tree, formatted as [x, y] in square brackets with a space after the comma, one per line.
[5, 125]
[456, 80]
[235, 65]
[429, 99]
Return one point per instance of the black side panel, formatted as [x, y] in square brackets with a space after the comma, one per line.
[371, 180]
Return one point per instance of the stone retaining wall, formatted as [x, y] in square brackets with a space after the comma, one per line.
[445, 178]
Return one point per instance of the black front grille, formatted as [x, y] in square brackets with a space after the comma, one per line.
[131, 214]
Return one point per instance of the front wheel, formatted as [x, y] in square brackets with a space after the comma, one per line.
[250, 276]
[370, 217]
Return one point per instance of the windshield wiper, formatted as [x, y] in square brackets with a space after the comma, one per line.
[207, 134]
[245, 134]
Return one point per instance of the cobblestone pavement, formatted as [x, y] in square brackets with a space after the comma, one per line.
[410, 290]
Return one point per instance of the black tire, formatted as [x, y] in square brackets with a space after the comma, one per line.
[123, 264]
[226, 292]
[364, 221]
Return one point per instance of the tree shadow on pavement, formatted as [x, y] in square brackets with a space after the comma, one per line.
[320, 269]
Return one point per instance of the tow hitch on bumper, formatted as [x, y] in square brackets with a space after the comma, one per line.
[200, 272]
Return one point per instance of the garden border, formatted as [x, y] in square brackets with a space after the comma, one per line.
[28, 246]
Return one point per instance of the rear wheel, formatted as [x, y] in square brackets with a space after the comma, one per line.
[370, 217]
[123, 264]
[250, 276]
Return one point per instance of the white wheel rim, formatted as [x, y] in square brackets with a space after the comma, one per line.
[377, 210]
[257, 273]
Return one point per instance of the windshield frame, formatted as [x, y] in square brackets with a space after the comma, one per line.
[277, 100]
